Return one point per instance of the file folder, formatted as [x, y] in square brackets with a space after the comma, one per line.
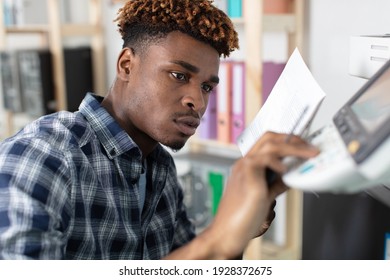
[235, 8]
[271, 74]
[276, 6]
[216, 182]
[238, 100]
[208, 125]
[224, 103]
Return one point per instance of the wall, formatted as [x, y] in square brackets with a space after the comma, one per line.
[330, 24]
[113, 39]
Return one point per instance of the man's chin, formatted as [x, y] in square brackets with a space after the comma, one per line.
[175, 146]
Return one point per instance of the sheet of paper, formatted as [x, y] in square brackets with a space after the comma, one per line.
[295, 91]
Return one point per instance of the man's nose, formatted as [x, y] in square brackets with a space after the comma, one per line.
[195, 99]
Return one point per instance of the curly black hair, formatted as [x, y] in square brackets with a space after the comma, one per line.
[142, 22]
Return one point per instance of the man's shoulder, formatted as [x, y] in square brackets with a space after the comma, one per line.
[59, 129]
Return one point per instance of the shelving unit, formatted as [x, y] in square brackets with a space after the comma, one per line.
[255, 23]
[52, 35]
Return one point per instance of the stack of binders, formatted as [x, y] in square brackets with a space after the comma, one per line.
[224, 118]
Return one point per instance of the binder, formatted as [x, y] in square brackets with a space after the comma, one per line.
[8, 14]
[208, 125]
[224, 103]
[276, 6]
[238, 100]
[216, 183]
[235, 8]
[271, 74]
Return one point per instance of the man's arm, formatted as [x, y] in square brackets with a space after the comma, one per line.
[245, 205]
[31, 210]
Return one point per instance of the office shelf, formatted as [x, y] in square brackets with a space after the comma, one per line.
[51, 36]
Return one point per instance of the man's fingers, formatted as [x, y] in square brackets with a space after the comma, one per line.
[272, 147]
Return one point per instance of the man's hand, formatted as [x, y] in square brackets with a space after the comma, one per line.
[247, 206]
[270, 218]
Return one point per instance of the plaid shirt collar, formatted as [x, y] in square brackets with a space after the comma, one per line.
[113, 138]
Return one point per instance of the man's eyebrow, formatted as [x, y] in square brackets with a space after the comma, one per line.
[186, 65]
[194, 69]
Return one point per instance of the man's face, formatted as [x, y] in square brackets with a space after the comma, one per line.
[168, 90]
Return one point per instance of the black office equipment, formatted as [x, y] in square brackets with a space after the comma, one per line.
[344, 227]
[356, 225]
[36, 79]
[12, 100]
[78, 75]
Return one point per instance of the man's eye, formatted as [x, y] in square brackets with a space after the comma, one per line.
[207, 88]
[179, 76]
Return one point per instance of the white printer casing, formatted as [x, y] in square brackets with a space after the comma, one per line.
[367, 54]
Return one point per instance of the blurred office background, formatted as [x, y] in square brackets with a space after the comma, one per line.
[334, 226]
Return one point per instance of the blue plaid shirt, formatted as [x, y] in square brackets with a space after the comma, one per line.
[69, 190]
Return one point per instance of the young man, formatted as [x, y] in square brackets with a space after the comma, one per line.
[97, 184]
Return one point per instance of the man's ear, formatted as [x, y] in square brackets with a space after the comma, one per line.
[123, 66]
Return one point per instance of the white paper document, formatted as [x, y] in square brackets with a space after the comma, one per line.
[295, 92]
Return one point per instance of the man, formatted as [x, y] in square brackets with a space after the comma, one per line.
[97, 184]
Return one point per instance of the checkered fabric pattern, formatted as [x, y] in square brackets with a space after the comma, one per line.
[69, 190]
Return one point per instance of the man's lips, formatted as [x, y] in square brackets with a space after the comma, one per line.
[187, 124]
